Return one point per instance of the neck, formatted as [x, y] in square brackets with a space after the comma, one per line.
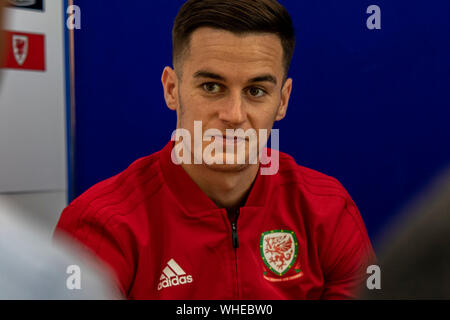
[227, 189]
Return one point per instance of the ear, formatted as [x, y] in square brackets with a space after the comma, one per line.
[285, 96]
[169, 81]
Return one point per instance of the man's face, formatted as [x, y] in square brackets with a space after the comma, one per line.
[229, 82]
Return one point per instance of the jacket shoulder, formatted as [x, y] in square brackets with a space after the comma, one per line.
[318, 183]
[324, 196]
[116, 195]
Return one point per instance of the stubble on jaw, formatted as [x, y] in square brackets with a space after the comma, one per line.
[181, 111]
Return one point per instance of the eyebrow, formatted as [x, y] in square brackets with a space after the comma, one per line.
[211, 75]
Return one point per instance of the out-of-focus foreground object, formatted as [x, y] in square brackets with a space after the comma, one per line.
[31, 268]
[415, 253]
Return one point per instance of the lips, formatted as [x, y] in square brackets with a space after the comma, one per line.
[231, 140]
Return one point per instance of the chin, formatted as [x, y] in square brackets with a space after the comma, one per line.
[227, 167]
[235, 166]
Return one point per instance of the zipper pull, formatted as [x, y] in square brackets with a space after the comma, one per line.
[235, 235]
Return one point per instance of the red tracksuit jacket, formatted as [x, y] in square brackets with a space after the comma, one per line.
[299, 236]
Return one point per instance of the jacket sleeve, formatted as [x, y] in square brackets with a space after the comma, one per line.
[347, 255]
[103, 234]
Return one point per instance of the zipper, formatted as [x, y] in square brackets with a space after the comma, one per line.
[234, 236]
[235, 239]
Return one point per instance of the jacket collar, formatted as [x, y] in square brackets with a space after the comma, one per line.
[193, 199]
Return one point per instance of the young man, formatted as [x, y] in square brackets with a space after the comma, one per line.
[175, 226]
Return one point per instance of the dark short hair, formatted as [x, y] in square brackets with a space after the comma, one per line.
[237, 16]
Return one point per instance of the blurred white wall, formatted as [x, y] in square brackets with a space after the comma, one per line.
[33, 169]
[41, 209]
[32, 109]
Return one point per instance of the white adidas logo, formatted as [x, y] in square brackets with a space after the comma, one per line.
[173, 275]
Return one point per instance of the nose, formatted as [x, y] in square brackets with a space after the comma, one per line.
[233, 111]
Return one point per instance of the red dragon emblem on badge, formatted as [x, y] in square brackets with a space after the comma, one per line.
[279, 250]
[20, 48]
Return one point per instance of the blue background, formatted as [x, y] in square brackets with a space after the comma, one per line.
[369, 107]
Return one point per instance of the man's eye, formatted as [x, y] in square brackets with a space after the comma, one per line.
[211, 87]
[256, 92]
